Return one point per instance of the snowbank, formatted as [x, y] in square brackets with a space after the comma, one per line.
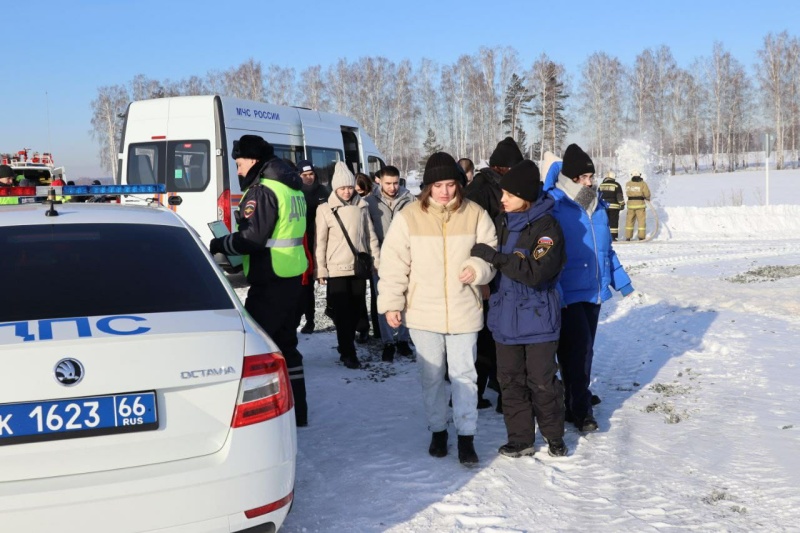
[742, 222]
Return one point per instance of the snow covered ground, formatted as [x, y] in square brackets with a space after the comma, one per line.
[699, 422]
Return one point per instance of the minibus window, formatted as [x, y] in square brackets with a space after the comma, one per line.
[189, 165]
[288, 153]
[324, 159]
[146, 163]
[351, 155]
[374, 164]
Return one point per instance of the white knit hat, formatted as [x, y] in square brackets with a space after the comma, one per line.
[342, 177]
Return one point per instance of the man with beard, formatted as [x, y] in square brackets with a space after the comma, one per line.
[484, 189]
[271, 222]
[591, 271]
[315, 194]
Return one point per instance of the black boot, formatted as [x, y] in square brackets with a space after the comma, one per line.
[404, 349]
[388, 353]
[516, 449]
[466, 450]
[484, 403]
[586, 424]
[438, 447]
[556, 447]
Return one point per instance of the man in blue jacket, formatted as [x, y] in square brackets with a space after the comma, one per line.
[591, 271]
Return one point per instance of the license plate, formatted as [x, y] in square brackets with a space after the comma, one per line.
[77, 417]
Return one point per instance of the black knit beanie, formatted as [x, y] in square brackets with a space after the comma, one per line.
[522, 180]
[576, 162]
[506, 154]
[441, 166]
[252, 147]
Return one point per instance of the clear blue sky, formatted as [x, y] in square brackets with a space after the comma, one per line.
[55, 54]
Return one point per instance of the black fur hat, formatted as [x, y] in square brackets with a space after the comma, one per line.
[506, 154]
[522, 180]
[576, 162]
[441, 166]
[252, 147]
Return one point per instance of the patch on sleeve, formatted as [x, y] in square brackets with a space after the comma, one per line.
[249, 208]
[542, 247]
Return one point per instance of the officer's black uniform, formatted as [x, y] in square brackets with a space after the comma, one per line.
[271, 300]
[611, 192]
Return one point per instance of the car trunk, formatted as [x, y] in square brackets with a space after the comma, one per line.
[191, 360]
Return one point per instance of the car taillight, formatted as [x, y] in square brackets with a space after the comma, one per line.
[264, 391]
[264, 509]
[224, 208]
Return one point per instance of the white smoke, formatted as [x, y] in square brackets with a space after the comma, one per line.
[633, 155]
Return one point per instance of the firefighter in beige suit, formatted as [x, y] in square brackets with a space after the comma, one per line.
[637, 192]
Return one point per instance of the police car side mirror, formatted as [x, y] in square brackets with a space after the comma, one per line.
[175, 200]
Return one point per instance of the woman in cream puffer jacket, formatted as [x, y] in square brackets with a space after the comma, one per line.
[429, 281]
[335, 261]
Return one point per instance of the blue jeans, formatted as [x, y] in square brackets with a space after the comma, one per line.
[459, 351]
[387, 332]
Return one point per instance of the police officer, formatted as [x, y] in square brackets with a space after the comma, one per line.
[611, 192]
[271, 221]
[638, 192]
[7, 180]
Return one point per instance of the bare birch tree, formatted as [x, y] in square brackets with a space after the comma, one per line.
[280, 85]
[245, 81]
[312, 89]
[642, 81]
[773, 79]
[600, 101]
[337, 79]
[108, 110]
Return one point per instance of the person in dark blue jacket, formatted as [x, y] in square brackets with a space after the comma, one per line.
[591, 271]
[525, 312]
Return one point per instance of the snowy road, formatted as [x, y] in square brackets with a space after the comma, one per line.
[699, 425]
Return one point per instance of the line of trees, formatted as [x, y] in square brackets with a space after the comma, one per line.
[713, 108]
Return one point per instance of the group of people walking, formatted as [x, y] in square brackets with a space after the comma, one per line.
[501, 279]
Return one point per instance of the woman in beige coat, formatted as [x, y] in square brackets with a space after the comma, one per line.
[429, 282]
[335, 261]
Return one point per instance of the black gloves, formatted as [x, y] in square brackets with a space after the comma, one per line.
[484, 251]
[216, 246]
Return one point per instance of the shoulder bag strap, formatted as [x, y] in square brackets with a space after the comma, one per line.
[346, 236]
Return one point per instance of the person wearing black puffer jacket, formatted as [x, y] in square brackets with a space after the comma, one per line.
[271, 222]
[315, 193]
[484, 189]
[525, 312]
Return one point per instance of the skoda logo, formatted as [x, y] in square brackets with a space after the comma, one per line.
[69, 372]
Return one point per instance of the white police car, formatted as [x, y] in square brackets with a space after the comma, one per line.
[136, 393]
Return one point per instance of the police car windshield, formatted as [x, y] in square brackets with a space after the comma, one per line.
[73, 270]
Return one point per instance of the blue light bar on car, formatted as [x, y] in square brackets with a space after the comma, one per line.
[79, 190]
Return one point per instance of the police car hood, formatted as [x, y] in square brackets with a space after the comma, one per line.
[192, 361]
